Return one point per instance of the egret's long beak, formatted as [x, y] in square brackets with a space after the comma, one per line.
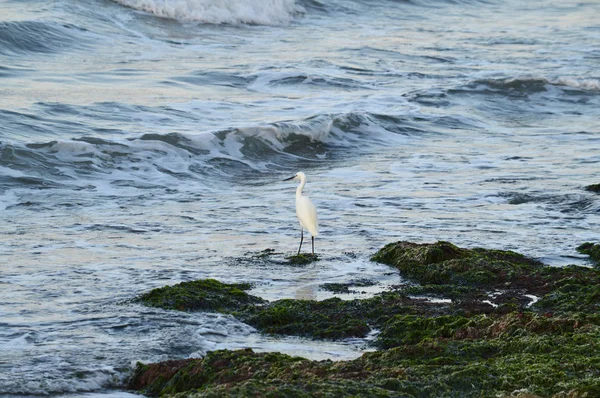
[291, 178]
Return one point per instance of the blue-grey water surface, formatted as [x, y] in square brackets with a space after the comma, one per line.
[144, 143]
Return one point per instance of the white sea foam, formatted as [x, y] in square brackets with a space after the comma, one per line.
[113, 166]
[260, 12]
[586, 84]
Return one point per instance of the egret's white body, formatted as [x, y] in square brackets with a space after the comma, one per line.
[305, 211]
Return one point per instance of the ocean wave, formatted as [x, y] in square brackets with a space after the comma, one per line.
[255, 12]
[353, 6]
[293, 77]
[23, 37]
[89, 381]
[165, 159]
[537, 84]
[585, 84]
[565, 202]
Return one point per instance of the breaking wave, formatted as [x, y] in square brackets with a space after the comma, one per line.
[165, 159]
[256, 12]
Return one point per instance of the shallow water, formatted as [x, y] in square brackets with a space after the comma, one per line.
[142, 146]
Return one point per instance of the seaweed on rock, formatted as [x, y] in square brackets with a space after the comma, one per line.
[546, 365]
[205, 294]
[445, 263]
[593, 188]
[485, 339]
[591, 249]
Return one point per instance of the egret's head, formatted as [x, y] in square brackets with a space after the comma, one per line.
[298, 176]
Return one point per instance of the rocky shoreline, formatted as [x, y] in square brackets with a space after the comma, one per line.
[501, 325]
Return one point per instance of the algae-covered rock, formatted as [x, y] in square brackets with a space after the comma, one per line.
[543, 364]
[593, 188]
[445, 263]
[463, 282]
[465, 326]
[412, 329]
[244, 373]
[591, 249]
[569, 289]
[330, 319]
[218, 367]
[292, 389]
[346, 288]
[459, 365]
[302, 259]
[151, 378]
[205, 295]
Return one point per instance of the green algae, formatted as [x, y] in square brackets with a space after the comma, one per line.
[544, 364]
[460, 347]
[569, 289]
[206, 294]
[445, 263]
[339, 288]
[303, 389]
[561, 290]
[346, 288]
[411, 329]
[593, 188]
[302, 259]
[466, 275]
[329, 319]
[264, 253]
[572, 298]
[591, 249]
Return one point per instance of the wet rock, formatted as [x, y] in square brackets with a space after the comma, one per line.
[465, 326]
[244, 373]
[570, 289]
[510, 280]
[339, 288]
[150, 378]
[333, 318]
[512, 297]
[593, 188]
[200, 295]
[591, 249]
[328, 319]
[445, 263]
[265, 253]
[477, 357]
[302, 259]
[411, 329]
[346, 288]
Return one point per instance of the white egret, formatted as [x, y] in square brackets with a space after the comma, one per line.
[305, 211]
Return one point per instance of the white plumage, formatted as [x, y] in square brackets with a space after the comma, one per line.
[305, 211]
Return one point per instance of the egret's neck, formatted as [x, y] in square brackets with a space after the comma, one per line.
[300, 188]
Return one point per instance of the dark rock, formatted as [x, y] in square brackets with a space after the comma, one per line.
[593, 188]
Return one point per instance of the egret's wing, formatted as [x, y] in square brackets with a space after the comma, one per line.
[307, 215]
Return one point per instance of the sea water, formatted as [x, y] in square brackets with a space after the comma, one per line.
[144, 142]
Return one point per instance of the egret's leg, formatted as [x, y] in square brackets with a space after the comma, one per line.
[313, 244]
[301, 239]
